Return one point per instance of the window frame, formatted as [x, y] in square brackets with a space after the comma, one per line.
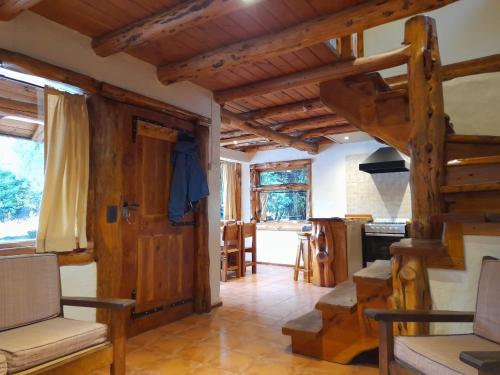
[256, 188]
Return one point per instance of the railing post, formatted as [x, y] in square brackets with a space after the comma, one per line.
[426, 145]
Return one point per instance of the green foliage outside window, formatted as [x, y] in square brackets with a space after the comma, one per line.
[18, 199]
[292, 176]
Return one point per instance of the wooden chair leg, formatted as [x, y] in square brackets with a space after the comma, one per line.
[386, 347]
[240, 269]
[118, 338]
[254, 260]
[297, 263]
[242, 261]
[224, 268]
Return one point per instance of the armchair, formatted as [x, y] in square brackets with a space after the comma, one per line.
[476, 353]
[35, 338]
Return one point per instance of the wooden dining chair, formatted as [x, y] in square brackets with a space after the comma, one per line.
[231, 248]
[248, 230]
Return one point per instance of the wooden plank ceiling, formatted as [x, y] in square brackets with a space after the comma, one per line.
[19, 114]
[155, 31]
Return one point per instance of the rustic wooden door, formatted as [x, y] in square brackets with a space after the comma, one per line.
[165, 253]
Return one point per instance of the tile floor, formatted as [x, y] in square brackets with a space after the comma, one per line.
[241, 337]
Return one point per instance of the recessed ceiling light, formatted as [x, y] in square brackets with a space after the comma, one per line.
[235, 142]
[346, 138]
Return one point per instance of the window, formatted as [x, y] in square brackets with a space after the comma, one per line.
[281, 191]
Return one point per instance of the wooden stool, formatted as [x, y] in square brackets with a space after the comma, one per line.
[304, 252]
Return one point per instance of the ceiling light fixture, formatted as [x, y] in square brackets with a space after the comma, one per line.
[346, 137]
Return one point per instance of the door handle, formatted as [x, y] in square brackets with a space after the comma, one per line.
[126, 207]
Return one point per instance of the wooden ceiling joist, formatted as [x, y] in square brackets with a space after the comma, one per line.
[264, 132]
[285, 109]
[328, 130]
[11, 8]
[9, 107]
[368, 14]
[240, 139]
[308, 123]
[168, 22]
[487, 64]
[337, 70]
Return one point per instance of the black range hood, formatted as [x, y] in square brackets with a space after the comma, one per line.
[384, 160]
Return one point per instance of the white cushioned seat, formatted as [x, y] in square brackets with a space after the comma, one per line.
[3, 365]
[440, 354]
[37, 343]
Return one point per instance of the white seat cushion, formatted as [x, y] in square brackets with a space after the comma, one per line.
[440, 354]
[3, 365]
[28, 346]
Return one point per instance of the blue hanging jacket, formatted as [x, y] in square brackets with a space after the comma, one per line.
[189, 183]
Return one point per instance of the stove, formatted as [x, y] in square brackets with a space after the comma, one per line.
[387, 227]
[378, 237]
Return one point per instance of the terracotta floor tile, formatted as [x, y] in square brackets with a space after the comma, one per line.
[241, 337]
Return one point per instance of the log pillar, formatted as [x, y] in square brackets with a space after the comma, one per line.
[426, 145]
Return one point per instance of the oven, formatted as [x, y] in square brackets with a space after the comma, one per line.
[378, 237]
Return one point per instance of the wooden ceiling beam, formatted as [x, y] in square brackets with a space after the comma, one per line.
[307, 123]
[26, 64]
[240, 139]
[284, 109]
[167, 22]
[9, 9]
[486, 64]
[368, 14]
[264, 132]
[328, 130]
[9, 107]
[336, 70]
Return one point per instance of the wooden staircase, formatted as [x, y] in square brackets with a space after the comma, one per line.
[337, 330]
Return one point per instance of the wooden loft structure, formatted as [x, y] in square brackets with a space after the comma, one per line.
[263, 60]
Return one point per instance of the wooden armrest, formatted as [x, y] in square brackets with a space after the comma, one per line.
[99, 303]
[485, 362]
[419, 315]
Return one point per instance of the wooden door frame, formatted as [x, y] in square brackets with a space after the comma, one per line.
[114, 121]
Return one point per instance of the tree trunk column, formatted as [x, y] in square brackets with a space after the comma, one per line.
[426, 144]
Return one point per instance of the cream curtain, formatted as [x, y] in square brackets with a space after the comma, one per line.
[63, 211]
[231, 193]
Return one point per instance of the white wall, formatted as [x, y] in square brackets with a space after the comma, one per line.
[40, 38]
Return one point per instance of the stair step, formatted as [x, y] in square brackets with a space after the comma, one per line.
[482, 160]
[479, 139]
[341, 299]
[488, 186]
[478, 170]
[466, 218]
[308, 325]
[466, 146]
[418, 247]
[377, 272]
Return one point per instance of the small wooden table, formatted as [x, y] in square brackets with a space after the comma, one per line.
[329, 251]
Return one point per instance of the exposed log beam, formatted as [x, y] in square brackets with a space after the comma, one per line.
[328, 130]
[257, 129]
[240, 139]
[11, 8]
[263, 147]
[352, 20]
[486, 64]
[16, 108]
[308, 123]
[168, 22]
[284, 109]
[334, 71]
[25, 64]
